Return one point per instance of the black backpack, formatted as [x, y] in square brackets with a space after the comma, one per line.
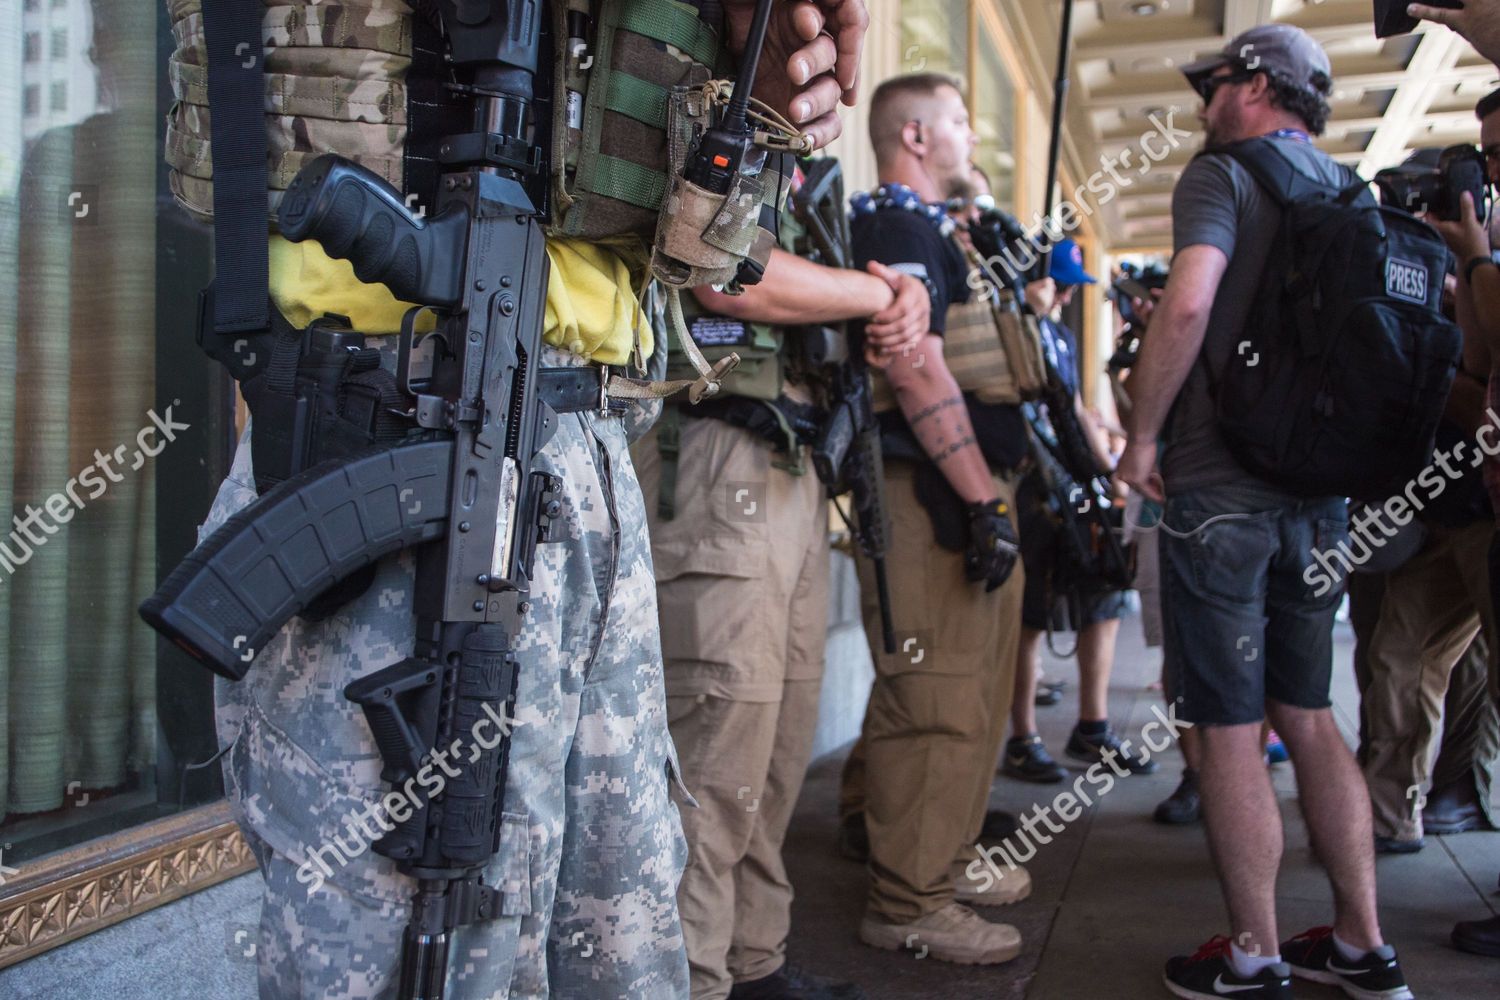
[1345, 362]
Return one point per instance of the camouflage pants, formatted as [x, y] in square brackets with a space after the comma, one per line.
[592, 845]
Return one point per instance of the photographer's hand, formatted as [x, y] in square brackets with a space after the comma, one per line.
[1466, 236]
[1478, 22]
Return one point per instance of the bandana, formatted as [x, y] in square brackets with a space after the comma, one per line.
[902, 197]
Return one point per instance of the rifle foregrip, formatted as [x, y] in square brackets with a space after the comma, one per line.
[359, 217]
[234, 592]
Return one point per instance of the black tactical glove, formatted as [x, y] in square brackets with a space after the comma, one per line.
[993, 546]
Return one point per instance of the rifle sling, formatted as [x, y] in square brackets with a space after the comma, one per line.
[237, 130]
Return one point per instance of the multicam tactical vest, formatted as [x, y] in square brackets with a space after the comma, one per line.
[340, 78]
[335, 78]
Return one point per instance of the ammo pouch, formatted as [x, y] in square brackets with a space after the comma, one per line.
[613, 78]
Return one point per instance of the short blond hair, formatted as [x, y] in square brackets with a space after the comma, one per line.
[900, 100]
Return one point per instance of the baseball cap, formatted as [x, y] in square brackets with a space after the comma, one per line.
[1067, 265]
[1283, 48]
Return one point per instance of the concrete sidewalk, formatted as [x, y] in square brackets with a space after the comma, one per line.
[1116, 894]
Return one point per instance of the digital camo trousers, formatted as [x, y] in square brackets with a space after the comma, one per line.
[592, 846]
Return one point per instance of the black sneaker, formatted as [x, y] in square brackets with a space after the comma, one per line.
[854, 838]
[1478, 937]
[791, 983]
[1183, 806]
[1390, 845]
[1091, 750]
[1048, 695]
[1207, 974]
[1375, 975]
[1027, 759]
[998, 825]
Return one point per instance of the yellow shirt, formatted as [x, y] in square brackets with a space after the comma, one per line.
[592, 308]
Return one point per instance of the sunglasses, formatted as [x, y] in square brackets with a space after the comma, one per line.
[1209, 85]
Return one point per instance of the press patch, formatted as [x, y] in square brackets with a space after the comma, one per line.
[1405, 280]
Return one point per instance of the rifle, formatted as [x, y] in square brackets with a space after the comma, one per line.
[459, 485]
[846, 453]
[1080, 496]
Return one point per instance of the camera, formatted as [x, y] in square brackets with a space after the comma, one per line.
[1133, 283]
[1434, 181]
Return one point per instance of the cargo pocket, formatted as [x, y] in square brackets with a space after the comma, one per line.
[309, 816]
[710, 629]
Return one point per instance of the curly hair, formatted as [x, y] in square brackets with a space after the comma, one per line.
[1309, 105]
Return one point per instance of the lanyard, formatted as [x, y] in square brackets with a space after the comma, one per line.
[1289, 133]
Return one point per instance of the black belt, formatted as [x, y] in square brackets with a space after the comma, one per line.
[578, 388]
[802, 419]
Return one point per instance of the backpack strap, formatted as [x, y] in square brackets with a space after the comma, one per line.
[1274, 171]
[237, 133]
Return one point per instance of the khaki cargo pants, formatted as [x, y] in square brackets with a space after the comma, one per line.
[742, 585]
[923, 767]
[1411, 654]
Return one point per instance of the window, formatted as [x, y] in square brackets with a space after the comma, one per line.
[104, 719]
[995, 121]
[935, 36]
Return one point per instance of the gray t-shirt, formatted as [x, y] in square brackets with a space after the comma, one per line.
[1219, 204]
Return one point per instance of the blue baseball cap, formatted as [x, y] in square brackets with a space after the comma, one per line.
[1067, 265]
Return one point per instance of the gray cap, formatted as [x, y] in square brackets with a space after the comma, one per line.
[1286, 49]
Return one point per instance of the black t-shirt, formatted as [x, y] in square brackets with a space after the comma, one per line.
[908, 242]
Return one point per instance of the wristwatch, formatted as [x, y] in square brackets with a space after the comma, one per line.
[1472, 264]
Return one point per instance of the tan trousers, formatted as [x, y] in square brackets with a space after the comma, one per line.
[922, 769]
[742, 583]
[1431, 611]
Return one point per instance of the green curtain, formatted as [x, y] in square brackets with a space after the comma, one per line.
[77, 357]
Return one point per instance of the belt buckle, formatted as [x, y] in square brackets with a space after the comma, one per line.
[604, 390]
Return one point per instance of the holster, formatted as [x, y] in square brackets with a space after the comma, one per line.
[314, 394]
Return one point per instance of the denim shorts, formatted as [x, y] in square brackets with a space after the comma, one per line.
[1248, 617]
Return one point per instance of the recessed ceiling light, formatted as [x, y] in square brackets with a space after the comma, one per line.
[1145, 8]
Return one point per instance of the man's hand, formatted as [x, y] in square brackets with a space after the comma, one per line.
[1465, 237]
[1137, 470]
[1478, 22]
[811, 59]
[993, 546]
[902, 323]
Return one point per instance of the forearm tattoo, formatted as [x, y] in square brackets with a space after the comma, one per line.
[931, 411]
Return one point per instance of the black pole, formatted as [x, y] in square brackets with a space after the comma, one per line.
[1059, 104]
